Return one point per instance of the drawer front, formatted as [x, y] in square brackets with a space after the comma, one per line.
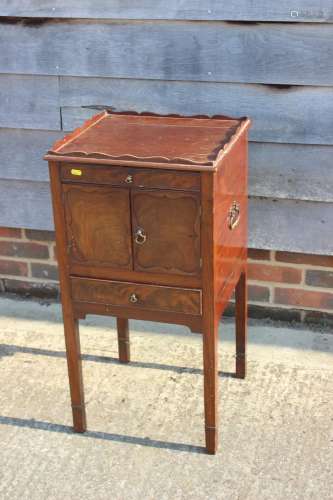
[137, 296]
[130, 177]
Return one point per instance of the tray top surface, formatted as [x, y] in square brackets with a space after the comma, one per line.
[147, 138]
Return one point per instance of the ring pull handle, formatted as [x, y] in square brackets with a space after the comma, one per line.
[133, 298]
[129, 179]
[140, 236]
[234, 215]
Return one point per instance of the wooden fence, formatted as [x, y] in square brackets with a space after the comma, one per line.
[61, 61]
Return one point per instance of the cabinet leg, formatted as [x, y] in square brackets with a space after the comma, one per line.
[210, 348]
[241, 325]
[74, 364]
[123, 340]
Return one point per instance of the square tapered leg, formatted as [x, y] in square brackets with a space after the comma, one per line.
[241, 325]
[210, 355]
[74, 364]
[123, 340]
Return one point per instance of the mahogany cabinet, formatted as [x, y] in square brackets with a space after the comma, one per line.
[151, 223]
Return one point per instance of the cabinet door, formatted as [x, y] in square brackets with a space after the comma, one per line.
[98, 225]
[166, 231]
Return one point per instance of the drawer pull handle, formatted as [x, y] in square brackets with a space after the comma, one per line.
[129, 179]
[133, 298]
[234, 215]
[140, 236]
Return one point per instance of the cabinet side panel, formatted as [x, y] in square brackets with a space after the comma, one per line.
[230, 221]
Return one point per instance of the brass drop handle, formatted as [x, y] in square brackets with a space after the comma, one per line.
[129, 179]
[234, 215]
[140, 236]
[133, 298]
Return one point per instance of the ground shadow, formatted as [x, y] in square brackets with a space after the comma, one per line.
[106, 436]
[11, 350]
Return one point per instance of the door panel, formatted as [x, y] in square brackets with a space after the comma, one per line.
[166, 232]
[98, 225]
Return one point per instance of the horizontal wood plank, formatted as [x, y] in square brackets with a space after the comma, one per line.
[242, 10]
[25, 204]
[294, 115]
[296, 226]
[29, 102]
[288, 53]
[22, 151]
[292, 171]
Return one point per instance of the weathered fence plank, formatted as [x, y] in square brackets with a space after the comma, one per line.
[294, 115]
[296, 226]
[289, 171]
[21, 153]
[29, 102]
[25, 204]
[292, 171]
[274, 224]
[277, 53]
[242, 10]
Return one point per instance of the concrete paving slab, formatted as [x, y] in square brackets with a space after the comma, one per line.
[145, 419]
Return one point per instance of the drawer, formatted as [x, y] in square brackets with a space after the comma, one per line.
[138, 296]
[130, 177]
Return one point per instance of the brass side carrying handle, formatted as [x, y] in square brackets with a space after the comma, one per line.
[234, 215]
[133, 298]
[140, 236]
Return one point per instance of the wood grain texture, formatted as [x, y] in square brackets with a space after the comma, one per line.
[294, 115]
[192, 322]
[71, 325]
[30, 102]
[27, 204]
[291, 171]
[242, 10]
[176, 232]
[121, 275]
[171, 224]
[156, 298]
[98, 226]
[295, 226]
[131, 177]
[149, 139]
[241, 323]
[215, 51]
[230, 188]
[123, 340]
[29, 147]
[210, 318]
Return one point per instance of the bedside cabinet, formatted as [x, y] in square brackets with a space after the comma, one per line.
[151, 223]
